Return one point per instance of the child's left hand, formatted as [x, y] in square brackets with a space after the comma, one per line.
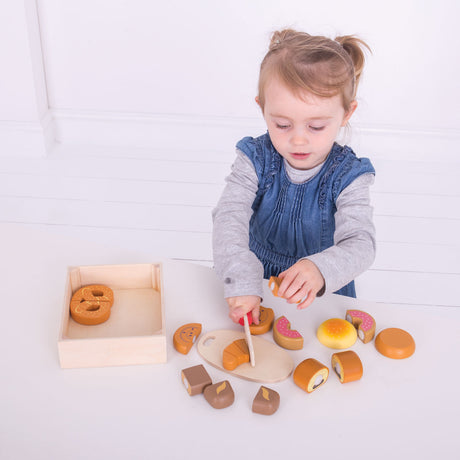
[301, 281]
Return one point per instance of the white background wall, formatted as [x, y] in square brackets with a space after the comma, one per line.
[201, 57]
[128, 112]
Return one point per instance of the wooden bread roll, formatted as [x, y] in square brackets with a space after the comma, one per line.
[337, 333]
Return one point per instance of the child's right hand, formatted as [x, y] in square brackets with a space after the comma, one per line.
[241, 305]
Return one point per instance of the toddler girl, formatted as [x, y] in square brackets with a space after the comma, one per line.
[296, 204]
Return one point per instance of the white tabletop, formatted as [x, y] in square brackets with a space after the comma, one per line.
[400, 409]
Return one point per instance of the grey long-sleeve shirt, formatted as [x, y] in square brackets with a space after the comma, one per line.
[240, 269]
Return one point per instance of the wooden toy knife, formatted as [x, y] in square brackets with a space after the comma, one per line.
[249, 340]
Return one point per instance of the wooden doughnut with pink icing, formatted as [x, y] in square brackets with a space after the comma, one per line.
[363, 322]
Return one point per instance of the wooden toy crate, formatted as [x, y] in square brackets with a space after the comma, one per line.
[134, 333]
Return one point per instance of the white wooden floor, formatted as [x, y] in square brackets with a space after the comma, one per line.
[161, 202]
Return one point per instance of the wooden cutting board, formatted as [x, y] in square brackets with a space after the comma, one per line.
[273, 364]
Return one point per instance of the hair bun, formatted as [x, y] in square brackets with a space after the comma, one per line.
[354, 46]
[281, 36]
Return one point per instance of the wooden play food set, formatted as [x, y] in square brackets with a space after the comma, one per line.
[135, 331]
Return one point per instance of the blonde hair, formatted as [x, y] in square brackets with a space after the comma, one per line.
[314, 64]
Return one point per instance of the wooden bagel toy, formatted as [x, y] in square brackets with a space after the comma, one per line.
[91, 304]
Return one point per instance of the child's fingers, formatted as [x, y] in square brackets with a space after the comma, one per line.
[255, 315]
[311, 296]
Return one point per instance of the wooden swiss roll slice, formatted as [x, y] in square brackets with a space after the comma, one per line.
[310, 374]
[347, 366]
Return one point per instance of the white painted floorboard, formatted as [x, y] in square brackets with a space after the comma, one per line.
[161, 202]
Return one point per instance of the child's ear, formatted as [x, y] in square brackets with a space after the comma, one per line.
[350, 112]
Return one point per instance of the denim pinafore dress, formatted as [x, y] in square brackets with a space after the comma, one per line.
[291, 221]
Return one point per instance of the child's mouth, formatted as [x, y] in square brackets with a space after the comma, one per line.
[300, 155]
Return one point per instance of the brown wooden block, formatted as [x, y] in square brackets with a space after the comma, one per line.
[195, 379]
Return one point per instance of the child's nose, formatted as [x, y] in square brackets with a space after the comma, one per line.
[299, 137]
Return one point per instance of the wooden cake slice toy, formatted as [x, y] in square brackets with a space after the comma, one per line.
[285, 337]
[363, 322]
[185, 337]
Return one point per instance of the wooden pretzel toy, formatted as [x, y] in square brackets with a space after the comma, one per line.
[91, 304]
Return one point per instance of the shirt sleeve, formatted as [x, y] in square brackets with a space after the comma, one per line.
[354, 237]
[235, 264]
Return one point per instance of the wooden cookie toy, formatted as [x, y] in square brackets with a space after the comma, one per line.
[235, 354]
[347, 366]
[363, 322]
[395, 343]
[266, 401]
[337, 333]
[310, 374]
[91, 304]
[266, 318]
[195, 379]
[285, 337]
[219, 395]
[185, 337]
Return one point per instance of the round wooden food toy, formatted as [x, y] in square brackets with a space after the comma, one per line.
[337, 333]
[395, 343]
[347, 366]
[90, 305]
[363, 322]
[266, 318]
[310, 374]
[185, 337]
[285, 337]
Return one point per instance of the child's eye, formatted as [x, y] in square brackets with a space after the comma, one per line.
[282, 126]
[316, 128]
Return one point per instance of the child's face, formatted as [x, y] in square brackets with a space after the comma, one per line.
[303, 130]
